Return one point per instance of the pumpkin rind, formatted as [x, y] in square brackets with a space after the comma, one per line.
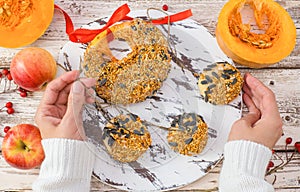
[23, 22]
[242, 48]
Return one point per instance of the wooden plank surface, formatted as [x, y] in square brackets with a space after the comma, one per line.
[282, 78]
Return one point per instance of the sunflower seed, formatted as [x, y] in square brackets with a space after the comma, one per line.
[211, 86]
[215, 75]
[138, 132]
[188, 141]
[180, 127]
[211, 65]
[206, 98]
[133, 27]
[123, 122]
[230, 71]
[208, 78]
[189, 123]
[133, 116]
[207, 92]
[104, 135]
[234, 81]
[110, 141]
[204, 82]
[224, 76]
[173, 144]
[102, 82]
[195, 128]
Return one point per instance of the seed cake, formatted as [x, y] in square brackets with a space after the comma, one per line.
[138, 75]
[188, 134]
[220, 83]
[126, 137]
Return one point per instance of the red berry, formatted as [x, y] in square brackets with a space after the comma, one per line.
[165, 7]
[10, 110]
[9, 77]
[23, 94]
[273, 151]
[9, 105]
[288, 140]
[5, 72]
[0, 75]
[6, 129]
[271, 164]
[297, 146]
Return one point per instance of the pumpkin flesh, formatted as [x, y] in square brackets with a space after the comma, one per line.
[275, 39]
[24, 21]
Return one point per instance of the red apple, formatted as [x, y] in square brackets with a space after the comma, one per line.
[22, 147]
[32, 68]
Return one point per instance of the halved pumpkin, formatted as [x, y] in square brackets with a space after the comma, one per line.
[265, 39]
[24, 21]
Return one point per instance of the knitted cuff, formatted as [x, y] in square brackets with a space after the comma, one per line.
[67, 159]
[246, 158]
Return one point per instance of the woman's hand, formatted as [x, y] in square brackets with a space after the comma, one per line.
[263, 123]
[59, 114]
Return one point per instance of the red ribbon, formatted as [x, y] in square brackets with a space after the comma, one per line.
[82, 35]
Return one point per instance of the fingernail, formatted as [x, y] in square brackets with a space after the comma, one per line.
[77, 87]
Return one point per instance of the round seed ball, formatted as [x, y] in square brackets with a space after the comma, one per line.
[220, 83]
[188, 134]
[126, 137]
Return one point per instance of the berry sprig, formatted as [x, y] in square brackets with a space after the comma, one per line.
[23, 92]
[9, 108]
[272, 169]
[5, 76]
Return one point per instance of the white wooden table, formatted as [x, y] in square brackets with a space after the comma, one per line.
[282, 78]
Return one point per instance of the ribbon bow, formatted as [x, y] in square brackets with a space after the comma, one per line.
[82, 35]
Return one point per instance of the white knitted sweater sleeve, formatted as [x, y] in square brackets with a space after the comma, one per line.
[244, 167]
[67, 166]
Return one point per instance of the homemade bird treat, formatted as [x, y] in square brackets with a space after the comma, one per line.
[139, 73]
[220, 83]
[126, 137]
[188, 134]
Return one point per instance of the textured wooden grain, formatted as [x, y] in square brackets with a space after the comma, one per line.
[282, 78]
[287, 179]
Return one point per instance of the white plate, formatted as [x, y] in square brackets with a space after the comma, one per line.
[160, 168]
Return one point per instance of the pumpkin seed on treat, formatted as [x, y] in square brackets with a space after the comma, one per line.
[221, 90]
[264, 39]
[126, 137]
[188, 134]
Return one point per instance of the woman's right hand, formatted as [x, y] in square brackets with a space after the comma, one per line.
[263, 123]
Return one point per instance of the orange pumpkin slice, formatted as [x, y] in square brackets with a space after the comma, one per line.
[22, 22]
[255, 33]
